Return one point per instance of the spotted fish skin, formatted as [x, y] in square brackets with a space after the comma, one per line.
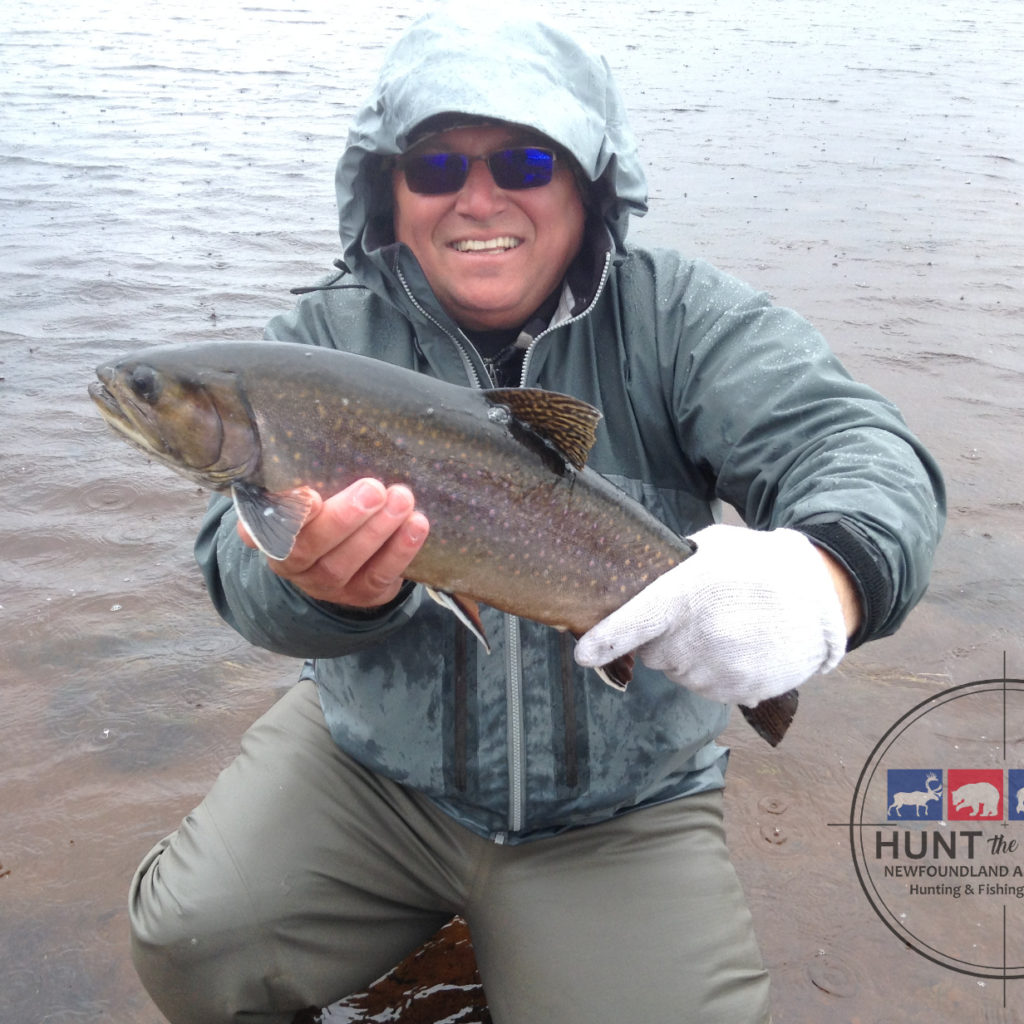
[517, 520]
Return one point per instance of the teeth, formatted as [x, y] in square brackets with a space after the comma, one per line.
[472, 245]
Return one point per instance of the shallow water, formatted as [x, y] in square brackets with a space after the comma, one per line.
[167, 176]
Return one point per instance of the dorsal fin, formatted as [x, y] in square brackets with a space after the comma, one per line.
[568, 423]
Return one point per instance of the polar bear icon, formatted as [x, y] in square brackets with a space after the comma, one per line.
[981, 797]
[1020, 800]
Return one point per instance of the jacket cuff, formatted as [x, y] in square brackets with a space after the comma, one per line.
[344, 611]
[867, 568]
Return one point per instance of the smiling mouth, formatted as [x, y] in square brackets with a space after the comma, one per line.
[503, 243]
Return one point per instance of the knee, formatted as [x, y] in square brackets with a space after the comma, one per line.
[184, 946]
[165, 943]
[204, 952]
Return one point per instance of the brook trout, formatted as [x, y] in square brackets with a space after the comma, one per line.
[517, 520]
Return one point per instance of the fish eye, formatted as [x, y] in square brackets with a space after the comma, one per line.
[145, 383]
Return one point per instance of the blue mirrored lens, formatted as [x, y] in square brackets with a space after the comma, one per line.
[437, 174]
[527, 167]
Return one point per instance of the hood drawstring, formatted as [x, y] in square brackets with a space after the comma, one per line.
[332, 284]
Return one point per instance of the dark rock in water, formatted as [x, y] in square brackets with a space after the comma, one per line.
[439, 981]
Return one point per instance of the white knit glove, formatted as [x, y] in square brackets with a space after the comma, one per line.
[750, 615]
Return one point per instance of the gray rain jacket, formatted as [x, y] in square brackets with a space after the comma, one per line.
[709, 394]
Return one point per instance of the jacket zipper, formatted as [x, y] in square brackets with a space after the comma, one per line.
[471, 371]
[571, 320]
[516, 738]
[516, 733]
[514, 668]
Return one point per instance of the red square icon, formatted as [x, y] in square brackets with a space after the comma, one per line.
[974, 794]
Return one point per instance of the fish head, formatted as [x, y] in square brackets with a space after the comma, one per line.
[195, 420]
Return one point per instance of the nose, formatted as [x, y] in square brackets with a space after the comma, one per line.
[480, 196]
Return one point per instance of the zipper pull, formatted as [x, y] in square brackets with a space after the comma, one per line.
[505, 368]
[492, 372]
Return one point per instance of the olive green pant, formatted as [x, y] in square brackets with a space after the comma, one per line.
[303, 877]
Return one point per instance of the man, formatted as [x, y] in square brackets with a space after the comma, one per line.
[484, 196]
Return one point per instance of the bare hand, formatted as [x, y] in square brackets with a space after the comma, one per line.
[354, 547]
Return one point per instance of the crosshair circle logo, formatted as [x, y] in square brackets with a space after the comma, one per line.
[937, 829]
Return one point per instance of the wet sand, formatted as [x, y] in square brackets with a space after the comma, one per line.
[168, 177]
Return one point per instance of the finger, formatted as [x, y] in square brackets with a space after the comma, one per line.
[390, 561]
[381, 577]
[331, 523]
[609, 639]
[638, 621]
[361, 566]
[381, 546]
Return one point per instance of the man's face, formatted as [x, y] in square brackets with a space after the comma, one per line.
[531, 235]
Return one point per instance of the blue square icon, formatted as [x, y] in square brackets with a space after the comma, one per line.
[1015, 794]
[915, 794]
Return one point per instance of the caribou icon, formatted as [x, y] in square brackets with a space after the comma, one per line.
[919, 798]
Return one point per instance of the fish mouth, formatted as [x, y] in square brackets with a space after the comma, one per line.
[130, 427]
[103, 397]
[111, 409]
[503, 243]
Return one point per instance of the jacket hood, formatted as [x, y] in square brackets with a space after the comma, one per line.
[486, 64]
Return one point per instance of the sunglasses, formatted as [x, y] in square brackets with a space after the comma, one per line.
[438, 174]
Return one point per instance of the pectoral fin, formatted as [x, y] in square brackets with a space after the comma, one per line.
[617, 673]
[273, 520]
[465, 610]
